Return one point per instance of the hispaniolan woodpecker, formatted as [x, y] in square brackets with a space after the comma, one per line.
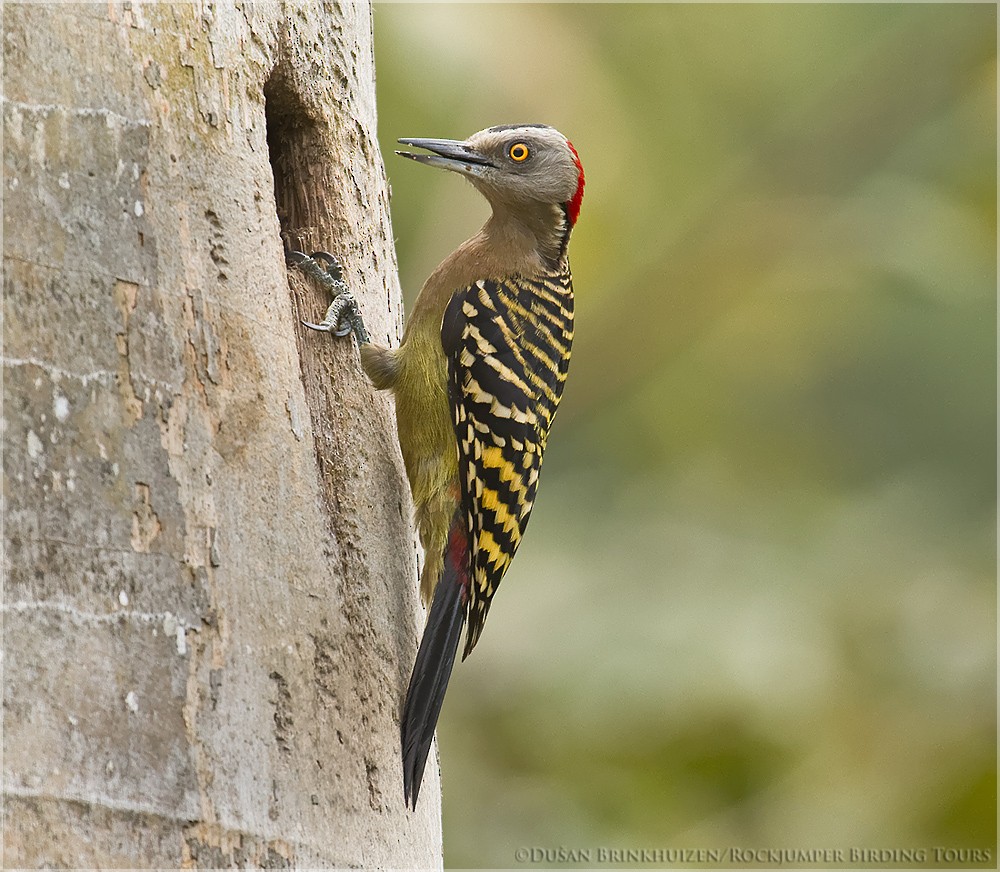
[476, 380]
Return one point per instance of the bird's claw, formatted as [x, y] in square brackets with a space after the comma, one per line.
[342, 315]
[323, 327]
[321, 266]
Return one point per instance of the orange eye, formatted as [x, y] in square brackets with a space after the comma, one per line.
[518, 152]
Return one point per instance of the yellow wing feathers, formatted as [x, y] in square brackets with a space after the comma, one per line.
[507, 344]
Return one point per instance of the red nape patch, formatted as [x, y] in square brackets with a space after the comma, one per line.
[457, 554]
[573, 206]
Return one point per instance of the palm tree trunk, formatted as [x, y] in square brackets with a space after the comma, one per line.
[210, 604]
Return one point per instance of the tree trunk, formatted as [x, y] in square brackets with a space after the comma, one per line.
[210, 607]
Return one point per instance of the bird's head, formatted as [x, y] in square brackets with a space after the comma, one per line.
[519, 167]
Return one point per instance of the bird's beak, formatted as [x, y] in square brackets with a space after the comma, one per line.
[449, 154]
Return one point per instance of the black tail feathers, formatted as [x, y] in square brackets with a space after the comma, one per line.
[429, 680]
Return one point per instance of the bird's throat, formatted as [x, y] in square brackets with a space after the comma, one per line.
[538, 233]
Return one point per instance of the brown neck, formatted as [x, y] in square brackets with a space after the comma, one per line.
[543, 230]
[530, 242]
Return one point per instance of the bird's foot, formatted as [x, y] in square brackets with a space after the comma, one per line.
[342, 315]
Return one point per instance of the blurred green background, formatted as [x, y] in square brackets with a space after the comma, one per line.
[756, 605]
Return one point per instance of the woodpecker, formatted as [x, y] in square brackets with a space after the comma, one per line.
[476, 380]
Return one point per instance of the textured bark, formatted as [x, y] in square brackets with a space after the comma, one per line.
[210, 603]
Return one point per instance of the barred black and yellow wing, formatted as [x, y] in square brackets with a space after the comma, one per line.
[508, 348]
